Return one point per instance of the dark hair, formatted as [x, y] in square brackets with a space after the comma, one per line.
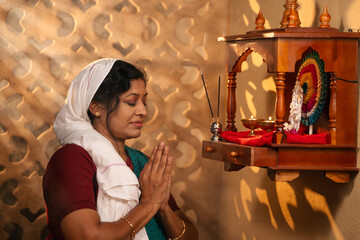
[115, 83]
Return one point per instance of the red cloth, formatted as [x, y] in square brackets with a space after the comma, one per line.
[69, 184]
[319, 138]
[262, 137]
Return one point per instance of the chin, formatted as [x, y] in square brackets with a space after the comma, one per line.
[134, 135]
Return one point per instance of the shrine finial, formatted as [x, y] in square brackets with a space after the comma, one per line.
[293, 18]
[288, 5]
[325, 18]
[260, 21]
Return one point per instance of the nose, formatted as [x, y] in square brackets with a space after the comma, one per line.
[141, 109]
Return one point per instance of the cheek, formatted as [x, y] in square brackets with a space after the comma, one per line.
[121, 117]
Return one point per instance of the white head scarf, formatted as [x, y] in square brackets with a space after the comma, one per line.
[118, 186]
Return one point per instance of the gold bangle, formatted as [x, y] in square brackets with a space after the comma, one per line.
[132, 232]
[182, 234]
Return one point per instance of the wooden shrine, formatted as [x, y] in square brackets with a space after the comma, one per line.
[282, 49]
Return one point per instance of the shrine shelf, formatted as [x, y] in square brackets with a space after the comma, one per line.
[286, 160]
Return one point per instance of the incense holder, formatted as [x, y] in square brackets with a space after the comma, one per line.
[216, 129]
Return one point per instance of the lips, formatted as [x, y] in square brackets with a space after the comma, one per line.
[137, 124]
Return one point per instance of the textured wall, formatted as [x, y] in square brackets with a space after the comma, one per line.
[45, 43]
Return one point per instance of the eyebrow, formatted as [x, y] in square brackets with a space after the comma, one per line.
[136, 94]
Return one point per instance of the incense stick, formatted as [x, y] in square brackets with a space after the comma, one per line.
[218, 106]
[207, 96]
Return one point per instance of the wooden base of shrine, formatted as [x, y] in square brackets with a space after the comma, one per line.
[284, 161]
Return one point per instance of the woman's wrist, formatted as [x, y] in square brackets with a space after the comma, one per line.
[150, 208]
[164, 209]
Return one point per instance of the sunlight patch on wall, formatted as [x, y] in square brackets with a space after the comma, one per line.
[257, 59]
[268, 84]
[243, 236]
[254, 6]
[236, 205]
[319, 204]
[286, 196]
[250, 103]
[246, 20]
[255, 169]
[244, 66]
[352, 16]
[307, 13]
[263, 198]
[245, 194]
[267, 24]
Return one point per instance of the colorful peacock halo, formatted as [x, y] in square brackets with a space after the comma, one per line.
[315, 83]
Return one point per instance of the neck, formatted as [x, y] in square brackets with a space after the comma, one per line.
[119, 145]
[120, 148]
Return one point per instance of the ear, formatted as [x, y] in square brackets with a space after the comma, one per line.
[96, 108]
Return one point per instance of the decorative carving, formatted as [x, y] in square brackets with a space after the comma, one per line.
[124, 50]
[14, 20]
[68, 23]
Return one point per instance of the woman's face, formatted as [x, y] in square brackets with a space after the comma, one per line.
[127, 119]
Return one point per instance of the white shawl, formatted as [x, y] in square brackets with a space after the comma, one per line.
[118, 186]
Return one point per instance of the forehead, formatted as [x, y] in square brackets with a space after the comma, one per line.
[137, 87]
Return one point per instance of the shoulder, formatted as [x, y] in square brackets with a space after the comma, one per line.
[70, 150]
[71, 156]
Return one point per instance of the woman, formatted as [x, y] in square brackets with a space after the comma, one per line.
[92, 184]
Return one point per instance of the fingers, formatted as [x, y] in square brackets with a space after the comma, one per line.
[163, 161]
[155, 179]
[148, 165]
[160, 157]
[157, 161]
[169, 166]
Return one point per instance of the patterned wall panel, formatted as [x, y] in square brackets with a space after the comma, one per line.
[45, 43]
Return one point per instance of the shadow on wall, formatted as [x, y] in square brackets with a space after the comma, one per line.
[256, 207]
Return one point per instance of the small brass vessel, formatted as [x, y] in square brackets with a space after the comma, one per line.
[267, 125]
[252, 124]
